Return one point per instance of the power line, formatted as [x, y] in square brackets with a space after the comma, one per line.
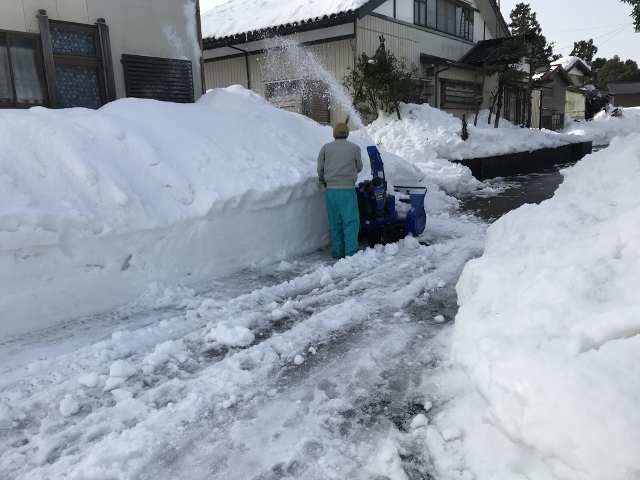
[588, 28]
[613, 32]
[611, 37]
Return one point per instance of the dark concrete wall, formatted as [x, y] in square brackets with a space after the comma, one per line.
[525, 162]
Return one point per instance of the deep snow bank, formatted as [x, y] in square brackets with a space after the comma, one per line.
[96, 205]
[603, 128]
[429, 138]
[549, 328]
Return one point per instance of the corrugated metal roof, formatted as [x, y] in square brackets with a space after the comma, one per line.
[624, 88]
[491, 52]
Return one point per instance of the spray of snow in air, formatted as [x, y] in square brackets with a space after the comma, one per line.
[285, 56]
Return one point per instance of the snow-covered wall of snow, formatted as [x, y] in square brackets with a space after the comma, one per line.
[96, 205]
[549, 327]
[603, 128]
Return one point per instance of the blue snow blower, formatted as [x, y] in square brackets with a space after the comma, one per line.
[386, 218]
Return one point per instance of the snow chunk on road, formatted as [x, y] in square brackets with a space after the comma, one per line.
[165, 351]
[237, 336]
[298, 360]
[121, 395]
[122, 368]
[451, 433]
[418, 421]
[113, 382]
[391, 249]
[68, 406]
[88, 380]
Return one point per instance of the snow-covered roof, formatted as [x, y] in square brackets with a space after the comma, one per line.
[547, 75]
[233, 17]
[570, 62]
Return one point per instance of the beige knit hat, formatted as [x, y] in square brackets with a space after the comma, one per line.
[341, 130]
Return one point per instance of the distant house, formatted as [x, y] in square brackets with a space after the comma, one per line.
[560, 93]
[431, 34]
[85, 53]
[625, 94]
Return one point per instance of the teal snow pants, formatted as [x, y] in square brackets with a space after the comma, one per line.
[344, 221]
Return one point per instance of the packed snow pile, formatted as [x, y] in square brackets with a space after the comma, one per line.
[96, 205]
[548, 329]
[604, 127]
[429, 137]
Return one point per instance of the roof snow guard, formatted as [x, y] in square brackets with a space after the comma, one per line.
[245, 20]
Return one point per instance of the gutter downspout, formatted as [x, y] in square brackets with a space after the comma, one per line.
[437, 86]
[199, 25]
[246, 58]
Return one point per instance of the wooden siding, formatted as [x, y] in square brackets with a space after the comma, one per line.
[626, 100]
[335, 57]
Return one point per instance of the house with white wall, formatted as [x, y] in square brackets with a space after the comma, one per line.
[242, 45]
[85, 53]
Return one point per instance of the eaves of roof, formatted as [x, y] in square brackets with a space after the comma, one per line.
[503, 23]
[281, 30]
[444, 62]
[577, 90]
[557, 71]
[624, 88]
[583, 68]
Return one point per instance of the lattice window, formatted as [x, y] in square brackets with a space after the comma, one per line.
[67, 40]
[79, 68]
[78, 86]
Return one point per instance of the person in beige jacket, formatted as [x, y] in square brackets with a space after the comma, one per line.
[339, 163]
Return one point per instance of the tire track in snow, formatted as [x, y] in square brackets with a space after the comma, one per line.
[134, 424]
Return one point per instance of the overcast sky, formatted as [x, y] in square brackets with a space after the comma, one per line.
[567, 21]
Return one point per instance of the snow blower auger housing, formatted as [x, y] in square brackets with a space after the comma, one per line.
[386, 218]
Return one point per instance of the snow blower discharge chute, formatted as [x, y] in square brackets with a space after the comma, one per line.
[386, 218]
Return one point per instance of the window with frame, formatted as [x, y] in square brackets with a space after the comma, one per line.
[463, 95]
[445, 16]
[77, 57]
[22, 80]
